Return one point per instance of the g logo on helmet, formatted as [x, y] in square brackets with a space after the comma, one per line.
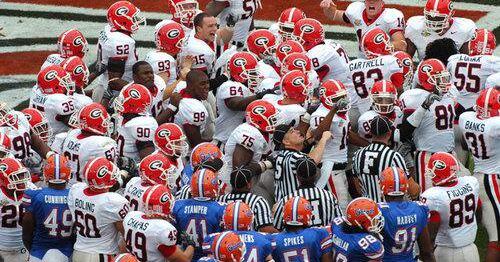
[259, 110]
[122, 11]
[3, 167]
[307, 29]
[164, 133]
[102, 172]
[155, 165]
[298, 81]
[300, 63]
[285, 49]
[174, 33]
[28, 116]
[78, 70]
[51, 75]
[78, 41]
[96, 113]
[261, 41]
[439, 165]
[240, 62]
[164, 198]
[426, 68]
[407, 62]
[379, 39]
[134, 93]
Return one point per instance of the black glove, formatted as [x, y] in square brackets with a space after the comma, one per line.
[271, 159]
[261, 94]
[186, 240]
[213, 164]
[127, 164]
[231, 20]
[429, 100]
[341, 104]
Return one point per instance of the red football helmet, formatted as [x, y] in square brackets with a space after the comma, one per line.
[72, 43]
[438, 14]
[297, 212]
[6, 115]
[488, 103]
[482, 43]
[442, 168]
[55, 80]
[133, 99]
[184, 11]
[57, 169]
[77, 70]
[295, 85]
[205, 184]
[13, 175]
[296, 61]
[408, 68]
[169, 38]
[393, 181]
[204, 152]
[5, 145]
[228, 247]
[93, 118]
[330, 92]
[238, 216]
[383, 95]
[288, 47]
[262, 115]
[100, 173]
[125, 257]
[38, 123]
[365, 214]
[432, 75]
[171, 141]
[242, 67]
[309, 32]
[125, 16]
[157, 169]
[375, 43]
[262, 43]
[158, 201]
[287, 20]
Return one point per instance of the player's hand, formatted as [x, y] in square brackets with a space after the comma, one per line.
[327, 135]
[267, 91]
[326, 3]
[213, 164]
[186, 240]
[187, 61]
[127, 164]
[430, 100]
[343, 103]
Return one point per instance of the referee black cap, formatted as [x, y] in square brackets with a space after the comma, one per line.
[306, 167]
[380, 126]
[240, 177]
[280, 132]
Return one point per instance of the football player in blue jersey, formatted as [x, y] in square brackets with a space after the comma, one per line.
[227, 247]
[405, 221]
[47, 222]
[299, 242]
[356, 237]
[239, 217]
[201, 215]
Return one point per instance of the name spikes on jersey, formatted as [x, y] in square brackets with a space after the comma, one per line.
[307, 244]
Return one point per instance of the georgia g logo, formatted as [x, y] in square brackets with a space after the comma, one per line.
[298, 81]
[78, 41]
[134, 93]
[259, 110]
[379, 39]
[240, 62]
[51, 75]
[102, 172]
[122, 11]
[439, 165]
[407, 62]
[3, 168]
[307, 29]
[174, 33]
[96, 113]
[299, 63]
[155, 165]
[426, 68]
[261, 41]
[164, 133]
[285, 49]
[78, 70]
[165, 198]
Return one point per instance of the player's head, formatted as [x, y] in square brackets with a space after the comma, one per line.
[54, 79]
[143, 74]
[169, 38]
[482, 43]
[56, 170]
[285, 136]
[158, 201]
[72, 43]
[125, 257]
[262, 115]
[331, 92]
[364, 213]
[296, 61]
[171, 141]
[243, 68]
[262, 43]
[204, 152]
[297, 212]
[125, 16]
[488, 103]
[442, 168]
[39, 124]
[306, 171]
[184, 11]
[309, 32]
[381, 129]
[205, 27]
[441, 49]
[287, 47]
[383, 95]
[408, 68]
[228, 247]
[375, 43]
[197, 84]
[100, 174]
[374, 7]
[238, 216]
[158, 169]
[5, 145]
[295, 86]
[78, 71]
[438, 14]
[204, 184]
[393, 182]
[133, 99]
[92, 118]
[287, 20]
[13, 175]
[433, 76]
[6, 116]
[241, 179]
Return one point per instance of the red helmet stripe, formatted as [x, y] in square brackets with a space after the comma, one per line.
[487, 99]
[485, 41]
[290, 15]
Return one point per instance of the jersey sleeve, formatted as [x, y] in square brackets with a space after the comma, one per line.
[207, 243]
[431, 199]
[167, 235]
[278, 215]
[411, 101]
[116, 209]
[411, 31]
[326, 240]
[395, 21]
[191, 113]
[353, 10]
[57, 142]
[229, 89]
[492, 65]
[316, 119]
[28, 202]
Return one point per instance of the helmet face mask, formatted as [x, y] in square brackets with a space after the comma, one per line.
[383, 103]
[436, 22]
[441, 81]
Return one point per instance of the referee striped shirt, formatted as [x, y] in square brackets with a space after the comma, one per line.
[259, 206]
[285, 173]
[324, 204]
[368, 164]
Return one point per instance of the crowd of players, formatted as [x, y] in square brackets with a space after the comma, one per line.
[134, 169]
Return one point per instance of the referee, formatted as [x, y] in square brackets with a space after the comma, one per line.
[324, 204]
[241, 183]
[370, 161]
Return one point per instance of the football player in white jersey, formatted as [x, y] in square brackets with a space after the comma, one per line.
[379, 64]
[453, 203]
[16, 127]
[437, 22]
[469, 72]
[493, 80]
[70, 43]
[79, 73]
[134, 126]
[155, 169]
[283, 29]
[149, 234]
[143, 74]
[429, 113]
[14, 180]
[300, 61]
[97, 213]
[263, 43]
[116, 50]
[88, 140]
[183, 13]
[369, 15]
[481, 132]
[332, 115]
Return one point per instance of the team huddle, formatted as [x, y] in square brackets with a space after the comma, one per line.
[231, 143]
